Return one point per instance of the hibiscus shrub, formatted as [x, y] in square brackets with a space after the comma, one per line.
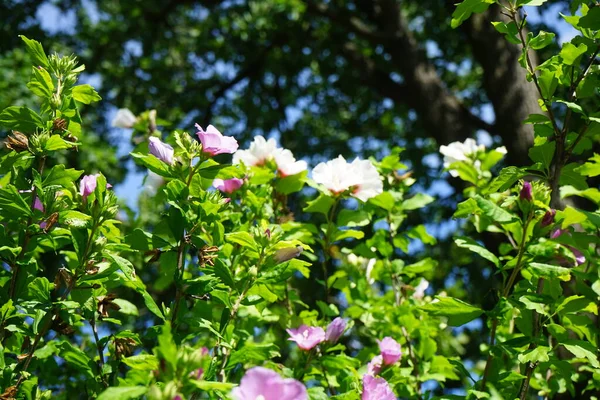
[252, 280]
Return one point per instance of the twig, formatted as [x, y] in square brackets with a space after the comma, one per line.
[100, 351]
[15, 266]
[536, 329]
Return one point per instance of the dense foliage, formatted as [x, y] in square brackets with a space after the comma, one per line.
[252, 280]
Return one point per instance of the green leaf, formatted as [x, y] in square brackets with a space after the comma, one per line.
[466, 209]
[124, 265]
[581, 349]
[39, 289]
[77, 358]
[493, 211]
[591, 167]
[542, 40]
[475, 247]
[153, 164]
[21, 119]
[36, 51]
[126, 307]
[569, 175]
[572, 216]
[167, 349]
[242, 238]
[85, 94]
[55, 142]
[348, 234]
[591, 20]
[123, 393]
[420, 267]
[530, 2]
[570, 53]
[466, 8]
[505, 180]
[292, 183]
[12, 202]
[457, 311]
[210, 386]
[252, 353]
[353, 218]
[539, 354]
[321, 204]
[573, 106]
[543, 153]
[145, 362]
[61, 176]
[419, 200]
[144, 241]
[548, 271]
[384, 200]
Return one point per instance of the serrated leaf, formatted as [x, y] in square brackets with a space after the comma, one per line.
[20, 119]
[457, 311]
[475, 247]
[36, 51]
[85, 94]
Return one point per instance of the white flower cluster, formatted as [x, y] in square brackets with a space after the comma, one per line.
[466, 152]
[359, 177]
[262, 151]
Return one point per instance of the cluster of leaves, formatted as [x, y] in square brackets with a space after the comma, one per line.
[183, 300]
[78, 318]
[542, 330]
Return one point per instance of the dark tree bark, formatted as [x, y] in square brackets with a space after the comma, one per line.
[505, 83]
[442, 113]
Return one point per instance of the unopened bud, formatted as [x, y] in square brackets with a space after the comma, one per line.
[526, 192]
[288, 253]
[548, 218]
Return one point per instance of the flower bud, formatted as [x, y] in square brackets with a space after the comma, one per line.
[335, 330]
[287, 253]
[390, 350]
[160, 150]
[548, 218]
[526, 192]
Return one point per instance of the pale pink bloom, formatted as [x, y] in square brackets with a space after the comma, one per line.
[160, 150]
[87, 185]
[374, 366]
[213, 141]
[37, 204]
[264, 384]
[390, 350]
[376, 389]
[360, 177]
[307, 337]
[228, 185]
[124, 119]
[335, 330]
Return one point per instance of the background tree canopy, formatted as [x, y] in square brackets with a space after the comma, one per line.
[326, 78]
